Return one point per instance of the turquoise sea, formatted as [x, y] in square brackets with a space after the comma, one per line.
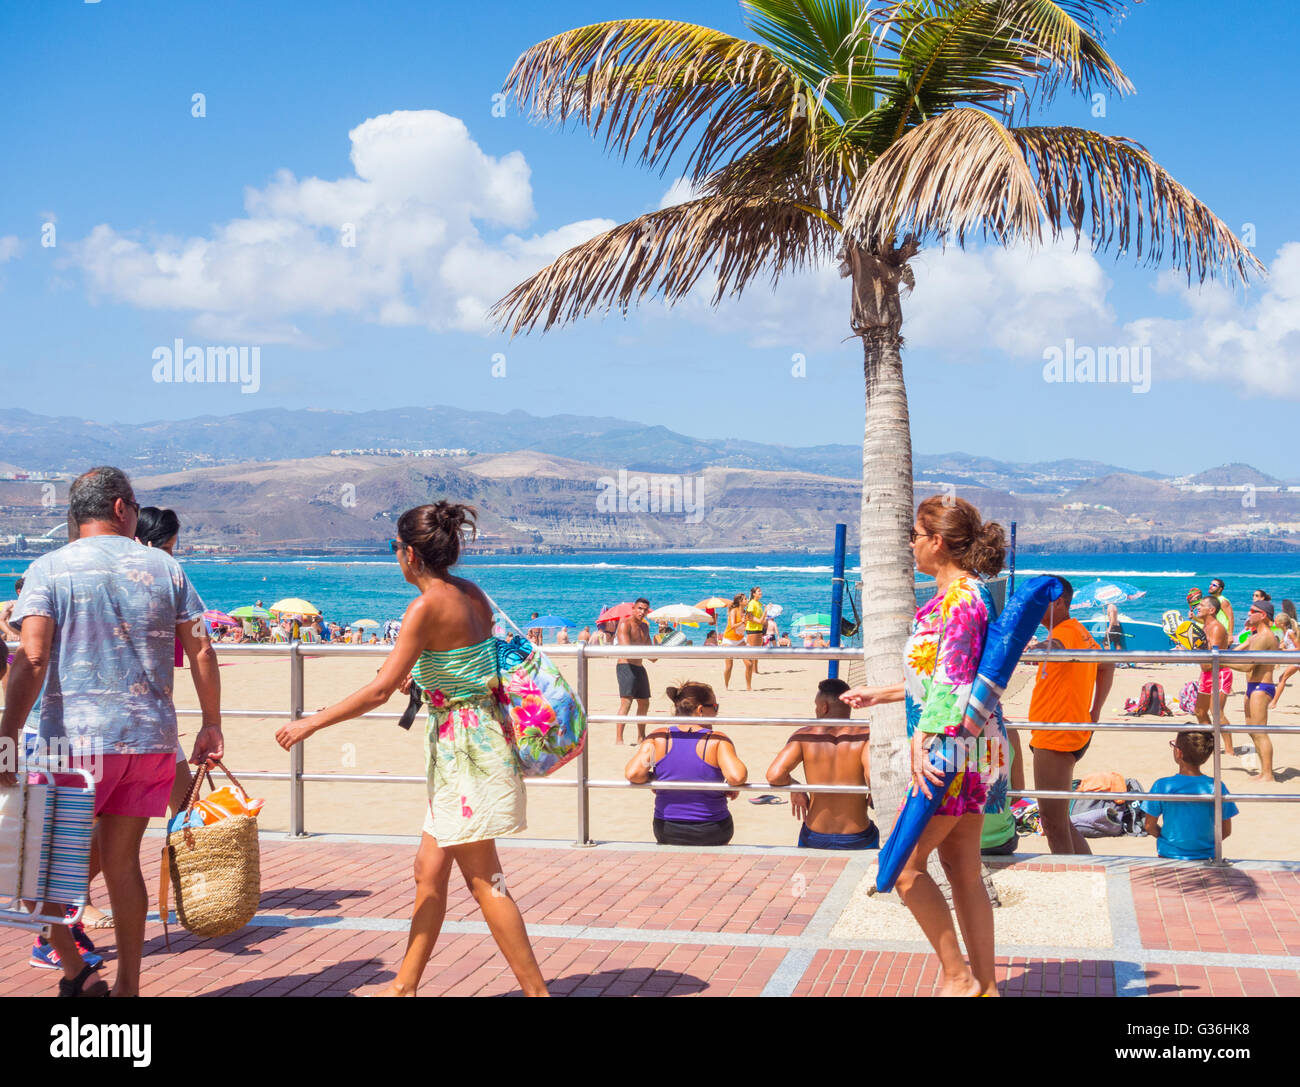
[579, 586]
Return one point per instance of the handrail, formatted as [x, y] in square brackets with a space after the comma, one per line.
[1216, 659]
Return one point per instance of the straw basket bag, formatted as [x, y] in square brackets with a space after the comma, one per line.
[216, 869]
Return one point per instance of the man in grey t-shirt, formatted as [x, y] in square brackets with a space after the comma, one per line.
[97, 622]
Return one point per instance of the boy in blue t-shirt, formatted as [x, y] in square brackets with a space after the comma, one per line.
[1187, 833]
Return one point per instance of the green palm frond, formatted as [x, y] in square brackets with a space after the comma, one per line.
[990, 53]
[666, 252]
[651, 82]
[815, 39]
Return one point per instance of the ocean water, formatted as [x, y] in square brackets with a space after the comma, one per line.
[577, 587]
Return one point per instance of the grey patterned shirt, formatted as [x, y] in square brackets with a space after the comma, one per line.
[115, 605]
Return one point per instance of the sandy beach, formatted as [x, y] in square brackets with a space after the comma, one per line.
[783, 687]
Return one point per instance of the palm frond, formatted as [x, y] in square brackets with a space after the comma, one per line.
[1130, 201]
[651, 82]
[665, 253]
[957, 175]
[990, 53]
[815, 39]
[964, 174]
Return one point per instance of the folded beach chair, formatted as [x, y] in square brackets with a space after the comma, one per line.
[45, 834]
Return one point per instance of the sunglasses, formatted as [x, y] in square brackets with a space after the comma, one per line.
[913, 535]
[395, 545]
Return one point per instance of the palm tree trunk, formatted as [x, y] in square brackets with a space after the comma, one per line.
[888, 601]
[888, 596]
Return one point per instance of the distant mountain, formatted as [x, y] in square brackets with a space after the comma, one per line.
[1233, 475]
[43, 443]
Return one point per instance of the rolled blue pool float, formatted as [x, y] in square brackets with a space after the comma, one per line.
[1008, 634]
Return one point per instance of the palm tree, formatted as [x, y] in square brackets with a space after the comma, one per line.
[855, 130]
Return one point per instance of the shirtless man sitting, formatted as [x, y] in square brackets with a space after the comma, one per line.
[1216, 637]
[1259, 684]
[832, 754]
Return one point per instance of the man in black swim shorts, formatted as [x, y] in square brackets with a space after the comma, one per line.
[633, 680]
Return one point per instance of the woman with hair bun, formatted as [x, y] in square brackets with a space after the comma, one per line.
[692, 751]
[475, 784]
[951, 543]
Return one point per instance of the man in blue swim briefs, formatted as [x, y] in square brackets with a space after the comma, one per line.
[1259, 684]
[832, 754]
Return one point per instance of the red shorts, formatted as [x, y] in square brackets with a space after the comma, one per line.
[125, 784]
[1225, 681]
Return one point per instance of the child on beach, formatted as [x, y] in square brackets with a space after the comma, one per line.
[1187, 830]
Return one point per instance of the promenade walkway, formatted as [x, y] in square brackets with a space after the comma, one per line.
[626, 919]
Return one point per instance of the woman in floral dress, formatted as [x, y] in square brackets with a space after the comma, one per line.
[941, 659]
[476, 789]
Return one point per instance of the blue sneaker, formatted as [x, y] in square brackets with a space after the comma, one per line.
[45, 957]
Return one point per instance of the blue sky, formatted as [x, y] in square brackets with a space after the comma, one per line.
[224, 229]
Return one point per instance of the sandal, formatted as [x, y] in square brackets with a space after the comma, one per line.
[77, 986]
[105, 921]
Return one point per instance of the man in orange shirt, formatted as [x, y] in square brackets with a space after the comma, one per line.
[1068, 693]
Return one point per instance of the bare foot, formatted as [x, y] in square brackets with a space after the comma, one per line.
[967, 986]
[93, 917]
[395, 989]
[1260, 779]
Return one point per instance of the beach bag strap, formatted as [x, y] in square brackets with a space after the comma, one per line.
[497, 609]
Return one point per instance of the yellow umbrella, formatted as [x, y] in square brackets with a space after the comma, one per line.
[293, 606]
[714, 602]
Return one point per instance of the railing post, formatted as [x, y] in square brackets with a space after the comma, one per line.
[296, 756]
[1216, 718]
[584, 795]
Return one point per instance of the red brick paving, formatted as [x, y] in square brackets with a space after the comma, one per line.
[905, 973]
[1187, 909]
[1216, 909]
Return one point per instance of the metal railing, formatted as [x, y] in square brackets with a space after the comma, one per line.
[583, 783]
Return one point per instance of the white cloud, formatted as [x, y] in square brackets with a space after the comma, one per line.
[678, 192]
[1254, 346]
[421, 189]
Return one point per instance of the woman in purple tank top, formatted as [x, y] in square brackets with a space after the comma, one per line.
[693, 752]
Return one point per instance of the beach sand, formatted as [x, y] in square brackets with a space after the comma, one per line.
[783, 687]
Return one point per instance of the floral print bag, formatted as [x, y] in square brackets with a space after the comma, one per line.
[548, 723]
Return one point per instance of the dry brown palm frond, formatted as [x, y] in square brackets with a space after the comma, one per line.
[957, 175]
[652, 82]
[665, 253]
[964, 174]
[783, 170]
[1130, 201]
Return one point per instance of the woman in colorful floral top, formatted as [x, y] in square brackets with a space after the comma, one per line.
[476, 789]
[941, 659]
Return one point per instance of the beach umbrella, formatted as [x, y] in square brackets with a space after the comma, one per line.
[550, 622]
[219, 619]
[680, 613]
[618, 611]
[813, 623]
[365, 623]
[292, 605]
[714, 602]
[251, 611]
[1102, 592]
